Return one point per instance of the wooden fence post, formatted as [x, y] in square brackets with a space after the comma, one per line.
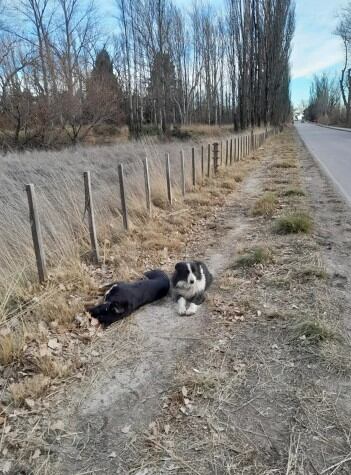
[215, 157]
[208, 160]
[221, 152]
[202, 161]
[226, 153]
[182, 172]
[168, 178]
[36, 234]
[193, 166]
[147, 185]
[89, 208]
[231, 152]
[123, 197]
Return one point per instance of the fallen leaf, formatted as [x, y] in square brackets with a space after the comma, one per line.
[125, 429]
[184, 391]
[112, 455]
[167, 428]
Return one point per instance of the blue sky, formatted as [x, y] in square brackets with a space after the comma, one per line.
[315, 48]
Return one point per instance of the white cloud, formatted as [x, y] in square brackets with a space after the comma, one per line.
[315, 47]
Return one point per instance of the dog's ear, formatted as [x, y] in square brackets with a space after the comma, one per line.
[179, 265]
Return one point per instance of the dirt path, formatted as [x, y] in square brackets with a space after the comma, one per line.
[122, 400]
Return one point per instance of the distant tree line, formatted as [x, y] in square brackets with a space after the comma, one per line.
[160, 69]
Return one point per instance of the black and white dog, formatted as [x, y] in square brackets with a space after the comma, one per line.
[123, 298]
[190, 282]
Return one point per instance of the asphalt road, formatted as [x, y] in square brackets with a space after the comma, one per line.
[332, 149]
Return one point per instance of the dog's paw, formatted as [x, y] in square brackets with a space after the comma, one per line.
[192, 309]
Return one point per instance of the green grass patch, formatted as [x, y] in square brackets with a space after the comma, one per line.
[266, 205]
[314, 331]
[293, 224]
[257, 255]
[293, 192]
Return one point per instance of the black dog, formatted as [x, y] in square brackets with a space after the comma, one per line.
[124, 298]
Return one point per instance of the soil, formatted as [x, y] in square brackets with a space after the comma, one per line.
[242, 387]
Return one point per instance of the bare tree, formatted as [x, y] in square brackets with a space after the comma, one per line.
[343, 30]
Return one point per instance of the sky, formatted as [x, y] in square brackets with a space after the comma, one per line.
[315, 48]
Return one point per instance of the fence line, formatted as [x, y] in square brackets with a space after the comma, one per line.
[243, 146]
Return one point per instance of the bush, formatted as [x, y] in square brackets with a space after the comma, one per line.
[293, 224]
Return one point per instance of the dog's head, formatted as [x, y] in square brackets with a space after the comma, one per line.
[186, 274]
[113, 309]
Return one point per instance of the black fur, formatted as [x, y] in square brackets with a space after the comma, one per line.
[124, 298]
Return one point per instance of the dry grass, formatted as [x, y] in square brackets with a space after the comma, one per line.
[11, 346]
[52, 367]
[31, 387]
[285, 164]
[266, 205]
[309, 273]
[293, 223]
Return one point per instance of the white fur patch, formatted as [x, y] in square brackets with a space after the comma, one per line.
[181, 306]
[109, 291]
[192, 309]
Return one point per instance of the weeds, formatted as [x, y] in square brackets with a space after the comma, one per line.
[258, 255]
[285, 164]
[293, 224]
[313, 330]
[266, 205]
[294, 192]
[31, 387]
[11, 347]
[309, 273]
